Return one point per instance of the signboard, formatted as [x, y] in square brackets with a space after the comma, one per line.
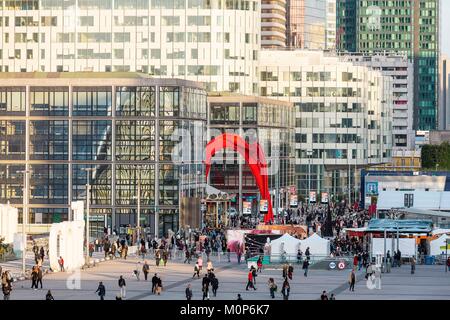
[312, 197]
[246, 207]
[341, 265]
[372, 188]
[324, 197]
[292, 189]
[263, 206]
[293, 200]
[332, 265]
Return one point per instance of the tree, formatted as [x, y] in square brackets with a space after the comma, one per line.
[433, 155]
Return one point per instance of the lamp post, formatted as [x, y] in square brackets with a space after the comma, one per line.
[309, 154]
[88, 198]
[25, 193]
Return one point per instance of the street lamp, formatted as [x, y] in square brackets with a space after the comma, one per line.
[88, 196]
[25, 193]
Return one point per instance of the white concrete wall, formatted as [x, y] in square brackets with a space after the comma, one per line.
[8, 222]
[426, 200]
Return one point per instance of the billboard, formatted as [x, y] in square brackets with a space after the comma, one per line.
[372, 188]
[293, 201]
[264, 206]
[312, 197]
[246, 207]
[324, 197]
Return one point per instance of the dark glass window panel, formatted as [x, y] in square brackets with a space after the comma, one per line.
[49, 140]
[135, 140]
[12, 140]
[49, 101]
[91, 140]
[169, 102]
[135, 101]
[168, 184]
[100, 181]
[12, 101]
[48, 184]
[11, 183]
[91, 101]
[126, 184]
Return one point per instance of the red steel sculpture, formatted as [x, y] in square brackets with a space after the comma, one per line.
[254, 157]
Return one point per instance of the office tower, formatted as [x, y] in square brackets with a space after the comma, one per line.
[306, 24]
[409, 26]
[273, 23]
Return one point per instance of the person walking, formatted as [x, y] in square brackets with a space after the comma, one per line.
[6, 285]
[250, 280]
[34, 277]
[259, 264]
[61, 264]
[324, 295]
[188, 292]
[42, 254]
[137, 271]
[159, 286]
[272, 287]
[285, 270]
[285, 290]
[187, 256]
[308, 254]
[101, 291]
[123, 287]
[39, 277]
[154, 283]
[157, 257]
[205, 290]
[332, 297]
[299, 256]
[209, 266]
[254, 274]
[165, 257]
[214, 284]
[196, 271]
[305, 267]
[239, 297]
[352, 280]
[145, 269]
[49, 296]
[290, 271]
[413, 265]
[200, 263]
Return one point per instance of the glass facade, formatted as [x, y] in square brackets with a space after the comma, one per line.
[409, 26]
[125, 129]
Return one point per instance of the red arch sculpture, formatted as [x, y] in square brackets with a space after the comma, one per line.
[254, 157]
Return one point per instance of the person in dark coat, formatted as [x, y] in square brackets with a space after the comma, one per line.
[214, 285]
[101, 291]
[49, 296]
[305, 267]
[188, 292]
[154, 282]
[285, 290]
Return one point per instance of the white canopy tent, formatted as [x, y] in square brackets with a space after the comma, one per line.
[287, 245]
[318, 246]
[437, 246]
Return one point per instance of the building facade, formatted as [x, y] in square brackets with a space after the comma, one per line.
[273, 23]
[215, 42]
[266, 121]
[306, 24]
[331, 25]
[409, 26]
[342, 113]
[401, 70]
[124, 127]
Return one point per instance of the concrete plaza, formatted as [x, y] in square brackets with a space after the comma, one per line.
[429, 282]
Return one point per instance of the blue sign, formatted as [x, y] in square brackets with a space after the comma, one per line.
[371, 188]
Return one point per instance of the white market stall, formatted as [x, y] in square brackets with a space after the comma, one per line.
[437, 246]
[8, 222]
[317, 245]
[407, 246]
[286, 246]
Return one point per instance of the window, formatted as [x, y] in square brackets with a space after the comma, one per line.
[49, 140]
[49, 101]
[166, 145]
[91, 140]
[91, 101]
[135, 101]
[135, 140]
[169, 101]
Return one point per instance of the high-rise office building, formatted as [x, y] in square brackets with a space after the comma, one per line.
[331, 25]
[444, 93]
[343, 117]
[408, 26]
[306, 24]
[122, 126]
[215, 42]
[273, 23]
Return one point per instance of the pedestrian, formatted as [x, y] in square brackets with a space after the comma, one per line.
[413, 265]
[307, 254]
[165, 257]
[101, 291]
[448, 263]
[259, 264]
[239, 255]
[187, 256]
[196, 270]
[214, 285]
[272, 287]
[229, 254]
[154, 283]
[6, 285]
[250, 281]
[145, 269]
[123, 287]
[200, 263]
[209, 266]
[34, 277]
[49, 296]
[254, 274]
[157, 257]
[305, 267]
[299, 256]
[205, 290]
[137, 271]
[159, 286]
[188, 292]
[143, 249]
[332, 297]
[42, 253]
[285, 290]
[352, 280]
[239, 297]
[285, 270]
[324, 295]
[61, 264]
[39, 277]
[290, 271]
